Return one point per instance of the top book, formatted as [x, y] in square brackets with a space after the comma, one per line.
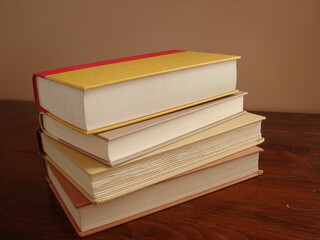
[97, 97]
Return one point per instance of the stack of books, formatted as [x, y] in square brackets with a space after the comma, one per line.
[128, 137]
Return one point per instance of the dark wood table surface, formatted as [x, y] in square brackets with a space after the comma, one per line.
[283, 203]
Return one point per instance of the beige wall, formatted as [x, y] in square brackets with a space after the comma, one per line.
[278, 40]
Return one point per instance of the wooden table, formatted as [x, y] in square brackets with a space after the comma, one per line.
[283, 203]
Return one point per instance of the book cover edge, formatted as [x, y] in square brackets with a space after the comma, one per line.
[49, 75]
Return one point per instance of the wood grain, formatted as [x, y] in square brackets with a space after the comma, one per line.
[283, 203]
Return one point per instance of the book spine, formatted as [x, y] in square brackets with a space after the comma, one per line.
[40, 147]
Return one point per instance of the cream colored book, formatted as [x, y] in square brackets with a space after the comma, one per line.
[88, 218]
[100, 96]
[122, 144]
[102, 183]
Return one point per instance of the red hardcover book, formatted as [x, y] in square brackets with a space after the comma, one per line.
[100, 96]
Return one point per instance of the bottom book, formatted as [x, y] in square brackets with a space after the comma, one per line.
[88, 218]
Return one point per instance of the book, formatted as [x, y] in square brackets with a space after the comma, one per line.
[100, 96]
[122, 144]
[88, 218]
[101, 183]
